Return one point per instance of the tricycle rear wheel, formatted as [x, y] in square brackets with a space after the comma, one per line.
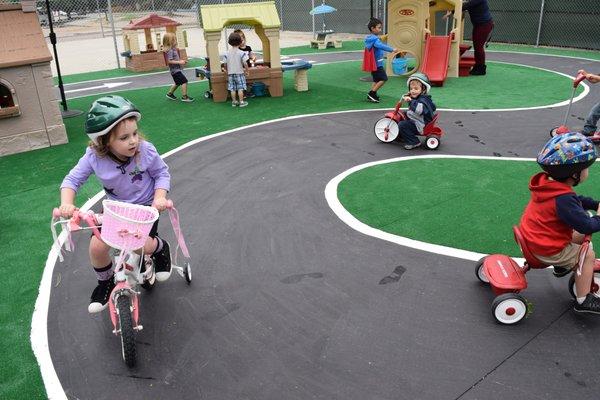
[509, 308]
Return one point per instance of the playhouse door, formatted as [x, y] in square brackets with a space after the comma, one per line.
[406, 28]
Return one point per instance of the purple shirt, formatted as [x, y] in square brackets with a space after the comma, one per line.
[133, 181]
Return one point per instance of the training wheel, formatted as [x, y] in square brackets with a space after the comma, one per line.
[432, 142]
[208, 95]
[480, 273]
[509, 308]
[386, 130]
[187, 272]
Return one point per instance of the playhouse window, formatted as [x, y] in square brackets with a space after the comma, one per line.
[7, 103]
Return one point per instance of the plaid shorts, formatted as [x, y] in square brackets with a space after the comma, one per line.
[236, 82]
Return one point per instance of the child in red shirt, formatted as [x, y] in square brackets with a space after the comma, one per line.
[555, 220]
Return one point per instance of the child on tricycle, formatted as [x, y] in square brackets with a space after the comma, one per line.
[556, 219]
[418, 120]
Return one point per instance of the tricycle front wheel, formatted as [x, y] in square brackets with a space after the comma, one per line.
[386, 130]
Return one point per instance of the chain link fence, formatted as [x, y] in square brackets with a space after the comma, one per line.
[571, 23]
[563, 23]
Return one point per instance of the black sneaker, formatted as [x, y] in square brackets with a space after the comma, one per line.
[412, 146]
[372, 97]
[171, 96]
[559, 272]
[187, 99]
[100, 295]
[162, 263]
[591, 304]
[478, 69]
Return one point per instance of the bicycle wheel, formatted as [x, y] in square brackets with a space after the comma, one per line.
[386, 130]
[187, 273]
[127, 335]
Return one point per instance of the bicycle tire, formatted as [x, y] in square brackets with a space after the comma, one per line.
[128, 350]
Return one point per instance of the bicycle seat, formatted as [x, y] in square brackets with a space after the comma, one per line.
[531, 259]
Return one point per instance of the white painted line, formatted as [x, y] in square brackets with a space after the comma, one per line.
[336, 206]
[543, 54]
[109, 85]
[586, 90]
[39, 327]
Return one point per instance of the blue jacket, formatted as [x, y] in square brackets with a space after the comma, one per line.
[380, 47]
[421, 111]
[479, 11]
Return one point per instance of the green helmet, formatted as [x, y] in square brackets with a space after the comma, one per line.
[421, 77]
[105, 113]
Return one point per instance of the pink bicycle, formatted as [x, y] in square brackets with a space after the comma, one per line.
[125, 227]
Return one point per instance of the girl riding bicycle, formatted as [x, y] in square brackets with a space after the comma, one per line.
[130, 170]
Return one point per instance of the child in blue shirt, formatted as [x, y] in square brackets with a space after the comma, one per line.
[373, 41]
[420, 110]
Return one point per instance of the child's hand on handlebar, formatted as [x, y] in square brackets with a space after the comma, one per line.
[67, 210]
[406, 98]
[160, 203]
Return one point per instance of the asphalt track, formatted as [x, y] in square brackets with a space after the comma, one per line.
[288, 302]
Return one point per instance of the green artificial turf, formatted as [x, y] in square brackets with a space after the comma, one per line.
[118, 73]
[196, 62]
[557, 51]
[30, 181]
[461, 203]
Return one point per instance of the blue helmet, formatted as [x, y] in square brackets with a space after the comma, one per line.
[566, 155]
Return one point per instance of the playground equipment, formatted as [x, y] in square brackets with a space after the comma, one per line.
[386, 129]
[559, 130]
[300, 68]
[29, 114]
[506, 279]
[321, 42]
[263, 18]
[412, 29]
[152, 57]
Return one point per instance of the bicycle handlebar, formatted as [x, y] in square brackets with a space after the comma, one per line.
[578, 79]
[91, 219]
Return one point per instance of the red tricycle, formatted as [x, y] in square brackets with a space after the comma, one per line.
[507, 279]
[386, 129]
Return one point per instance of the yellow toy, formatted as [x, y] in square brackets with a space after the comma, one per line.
[412, 28]
[263, 17]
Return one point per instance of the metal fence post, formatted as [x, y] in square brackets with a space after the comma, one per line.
[100, 16]
[313, 18]
[112, 24]
[537, 40]
[281, 8]
[384, 16]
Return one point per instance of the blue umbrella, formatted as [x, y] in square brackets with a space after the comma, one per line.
[321, 10]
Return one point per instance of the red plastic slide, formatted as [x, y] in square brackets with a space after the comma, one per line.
[435, 61]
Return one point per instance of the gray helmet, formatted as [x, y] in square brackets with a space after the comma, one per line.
[105, 113]
[421, 77]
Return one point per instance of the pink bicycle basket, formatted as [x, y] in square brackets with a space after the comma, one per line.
[126, 226]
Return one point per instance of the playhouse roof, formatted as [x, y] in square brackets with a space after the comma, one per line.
[151, 21]
[216, 17]
[22, 38]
